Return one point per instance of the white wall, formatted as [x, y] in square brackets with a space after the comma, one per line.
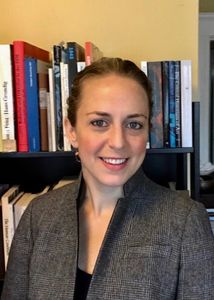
[206, 33]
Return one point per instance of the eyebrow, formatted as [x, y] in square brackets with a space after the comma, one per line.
[104, 114]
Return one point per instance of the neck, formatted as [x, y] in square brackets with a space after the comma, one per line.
[100, 200]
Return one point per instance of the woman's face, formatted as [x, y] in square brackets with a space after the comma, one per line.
[111, 130]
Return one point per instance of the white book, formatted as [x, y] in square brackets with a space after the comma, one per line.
[51, 112]
[186, 103]
[8, 200]
[143, 67]
[7, 99]
[80, 65]
[23, 202]
[64, 97]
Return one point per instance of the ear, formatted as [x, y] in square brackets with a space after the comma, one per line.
[70, 132]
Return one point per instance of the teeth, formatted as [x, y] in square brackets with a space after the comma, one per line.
[114, 161]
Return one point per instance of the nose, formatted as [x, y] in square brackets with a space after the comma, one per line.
[117, 138]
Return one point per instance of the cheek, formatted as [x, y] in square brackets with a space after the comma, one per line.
[88, 144]
[139, 145]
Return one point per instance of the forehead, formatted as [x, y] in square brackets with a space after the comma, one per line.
[112, 87]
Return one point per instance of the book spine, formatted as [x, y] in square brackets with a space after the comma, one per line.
[165, 91]
[1, 141]
[43, 90]
[177, 104]
[72, 63]
[7, 99]
[80, 66]
[172, 122]
[186, 103]
[144, 68]
[7, 218]
[51, 113]
[57, 96]
[88, 53]
[3, 189]
[75, 54]
[92, 53]
[64, 95]
[32, 104]
[20, 97]
[156, 132]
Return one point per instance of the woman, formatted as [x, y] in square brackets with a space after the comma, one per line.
[113, 234]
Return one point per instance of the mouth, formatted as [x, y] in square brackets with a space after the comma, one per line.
[114, 161]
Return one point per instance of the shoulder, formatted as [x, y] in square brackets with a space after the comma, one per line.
[51, 207]
[167, 206]
[56, 197]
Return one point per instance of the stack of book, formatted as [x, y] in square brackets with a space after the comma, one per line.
[34, 87]
[171, 116]
[14, 201]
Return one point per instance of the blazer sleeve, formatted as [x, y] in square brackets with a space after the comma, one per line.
[196, 276]
[16, 278]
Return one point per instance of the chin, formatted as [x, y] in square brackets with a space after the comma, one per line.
[114, 181]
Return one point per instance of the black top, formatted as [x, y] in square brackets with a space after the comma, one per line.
[83, 280]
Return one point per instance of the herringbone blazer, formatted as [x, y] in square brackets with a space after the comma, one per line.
[158, 246]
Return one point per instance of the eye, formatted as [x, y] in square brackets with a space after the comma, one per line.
[99, 123]
[134, 125]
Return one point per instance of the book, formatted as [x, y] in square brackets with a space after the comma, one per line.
[186, 103]
[3, 189]
[23, 202]
[177, 104]
[7, 99]
[156, 131]
[22, 49]
[144, 68]
[8, 200]
[1, 142]
[172, 119]
[75, 54]
[57, 58]
[80, 66]
[92, 53]
[64, 96]
[165, 95]
[32, 103]
[51, 113]
[43, 89]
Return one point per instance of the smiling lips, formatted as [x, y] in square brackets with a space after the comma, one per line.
[114, 161]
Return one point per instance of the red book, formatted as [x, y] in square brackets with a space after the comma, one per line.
[21, 50]
[92, 53]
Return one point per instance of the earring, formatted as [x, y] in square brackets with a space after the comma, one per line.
[76, 153]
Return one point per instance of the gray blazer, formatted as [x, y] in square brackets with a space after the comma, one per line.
[158, 246]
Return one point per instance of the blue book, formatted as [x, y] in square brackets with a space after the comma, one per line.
[172, 117]
[32, 102]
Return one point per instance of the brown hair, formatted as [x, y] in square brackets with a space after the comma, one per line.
[105, 66]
